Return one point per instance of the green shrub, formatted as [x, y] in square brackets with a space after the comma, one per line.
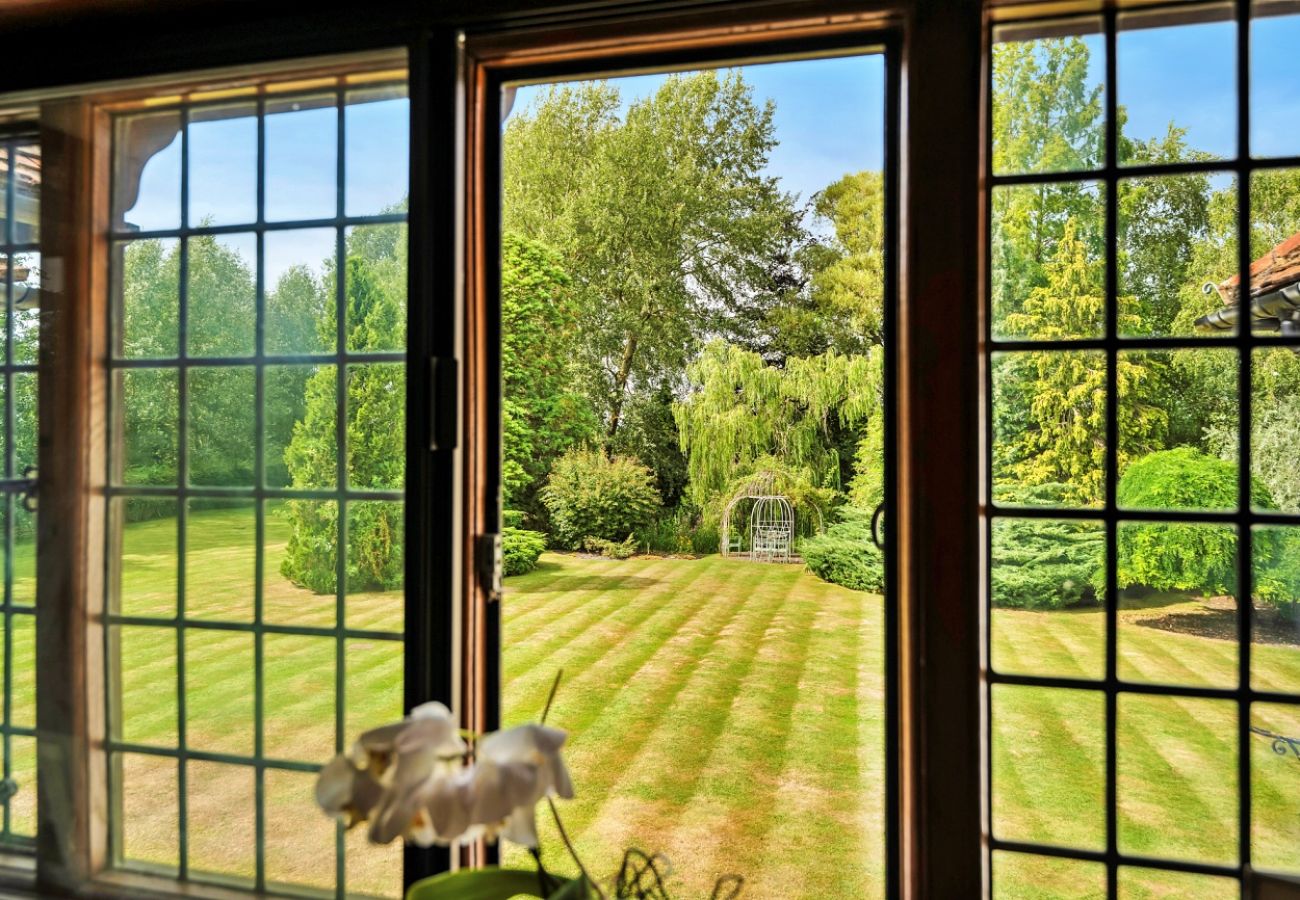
[845, 554]
[610, 549]
[1277, 569]
[512, 518]
[589, 495]
[1181, 556]
[520, 549]
[704, 540]
[374, 546]
[1046, 563]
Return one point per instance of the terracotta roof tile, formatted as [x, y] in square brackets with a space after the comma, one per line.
[1276, 269]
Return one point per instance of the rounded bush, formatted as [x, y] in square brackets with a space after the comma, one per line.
[589, 495]
[845, 554]
[520, 549]
[1181, 556]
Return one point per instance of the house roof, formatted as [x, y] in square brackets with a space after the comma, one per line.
[1273, 271]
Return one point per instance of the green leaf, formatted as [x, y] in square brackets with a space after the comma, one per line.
[476, 884]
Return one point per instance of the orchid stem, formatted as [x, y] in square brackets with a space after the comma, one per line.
[555, 686]
[564, 836]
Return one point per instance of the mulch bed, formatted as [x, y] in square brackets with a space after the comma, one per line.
[1218, 619]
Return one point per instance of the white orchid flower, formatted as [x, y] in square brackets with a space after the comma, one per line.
[408, 779]
[348, 792]
[385, 764]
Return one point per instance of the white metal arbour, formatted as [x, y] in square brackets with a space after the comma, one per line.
[770, 523]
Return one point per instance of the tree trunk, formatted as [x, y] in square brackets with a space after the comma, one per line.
[620, 385]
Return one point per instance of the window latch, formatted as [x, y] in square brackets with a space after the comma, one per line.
[444, 394]
[489, 561]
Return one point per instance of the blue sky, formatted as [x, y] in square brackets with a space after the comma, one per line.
[829, 118]
[829, 121]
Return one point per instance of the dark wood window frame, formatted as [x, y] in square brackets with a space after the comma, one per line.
[938, 721]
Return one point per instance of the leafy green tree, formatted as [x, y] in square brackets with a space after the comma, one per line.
[661, 215]
[741, 410]
[375, 312]
[543, 415]
[1051, 405]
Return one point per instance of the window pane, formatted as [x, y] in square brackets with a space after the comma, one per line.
[301, 559]
[147, 668]
[22, 769]
[302, 159]
[377, 426]
[221, 832]
[1273, 39]
[1048, 617]
[301, 426]
[1275, 254]
[375, 600]
[26, 292]
[221, 294]
[147, 172]
[1178, 603]
[298, 837]
[1177, 241]
[147, 564]
[1177, 86]
[150, 421]
[1275, 787]
[1049, 752]
[1049, 421]
[24, 555]
[376, 288]
[1020, 875]
[146, 313]
[221, 426]
[1048, 266]
[150, 812]
[220, 559]
[1275, 656]
[22, 650]
[223, 165]
[299, 696]
[300, 291]
[1178, 416]
[1048, 98]
[219, 691]
[378, 135]
[1177, 788]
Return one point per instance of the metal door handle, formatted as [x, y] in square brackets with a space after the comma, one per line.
[875, 526]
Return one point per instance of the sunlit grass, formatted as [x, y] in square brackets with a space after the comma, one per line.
[726, 713]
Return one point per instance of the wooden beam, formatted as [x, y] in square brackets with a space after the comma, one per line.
[939, 452]
[70, 715]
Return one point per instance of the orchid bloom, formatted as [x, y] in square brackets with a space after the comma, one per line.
[409, 779]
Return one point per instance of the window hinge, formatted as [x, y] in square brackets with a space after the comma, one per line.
[444, 393]
[488, 555]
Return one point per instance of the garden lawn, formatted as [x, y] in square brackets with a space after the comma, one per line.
[724, 712]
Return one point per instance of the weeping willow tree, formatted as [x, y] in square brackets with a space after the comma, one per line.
[741, 412]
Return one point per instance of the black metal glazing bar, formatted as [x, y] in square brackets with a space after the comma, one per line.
[1112, 453]
[259, 513]
[250, 627]
[182, 507]
[1245, 580]
[236, 759]
[154, 490]
[1140, 688]
[261, 225]
[986, 373]
[341, 470]
[1145, 862]
[1139, 170]
[9, 505]
[267, 360]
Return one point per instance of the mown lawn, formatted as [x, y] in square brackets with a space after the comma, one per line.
[726, 713]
